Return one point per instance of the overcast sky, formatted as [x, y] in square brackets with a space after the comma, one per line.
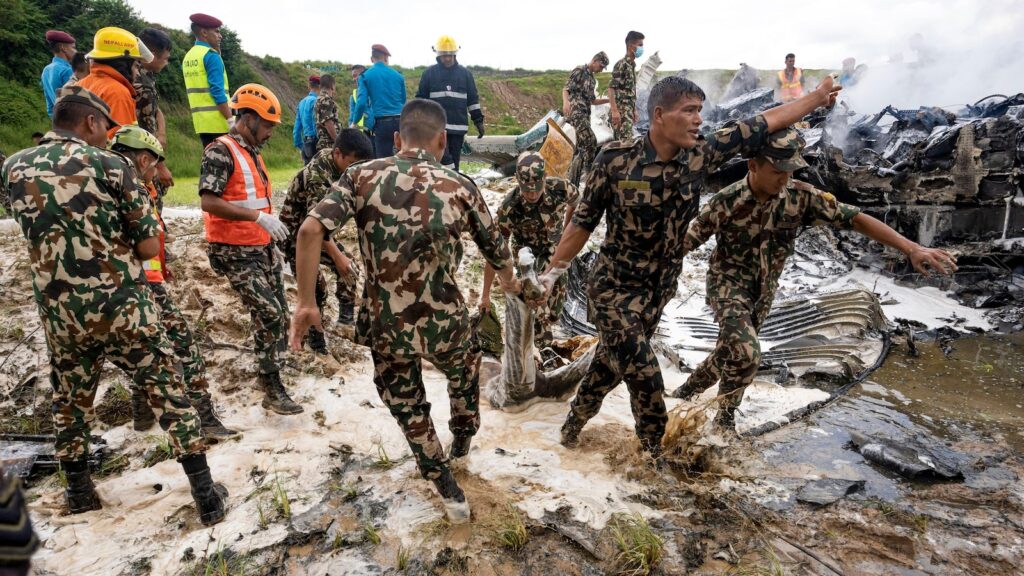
[537, 34]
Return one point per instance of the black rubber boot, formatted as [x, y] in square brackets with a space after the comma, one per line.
[209, 497]
[454, 498]
[277, 398]
[571, 430]
[213, 428]
[726, 416]
[142, 413]
[688, 391]
[81, 492]
[460, 446]
[346, 313]
[316, 341]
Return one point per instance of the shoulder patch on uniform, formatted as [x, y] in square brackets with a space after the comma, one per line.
[828, 196]
[799, 185]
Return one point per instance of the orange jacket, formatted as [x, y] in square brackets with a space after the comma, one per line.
[155, 266]
[113, 89]
[247, 188]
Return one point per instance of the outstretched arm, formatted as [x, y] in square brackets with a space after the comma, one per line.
[924, 260]
[788, 114]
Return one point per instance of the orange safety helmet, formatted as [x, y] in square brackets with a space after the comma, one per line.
[259, 99]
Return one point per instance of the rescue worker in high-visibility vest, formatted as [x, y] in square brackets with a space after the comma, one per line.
[790, 82]
[206, 80]
[364, 122]
[114, 56]
[241, 230]
[143, 149]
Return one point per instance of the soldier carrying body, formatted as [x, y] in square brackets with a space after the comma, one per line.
[89, 227]
[755, 222]
[410, 213]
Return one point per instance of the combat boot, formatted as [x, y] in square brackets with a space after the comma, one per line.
[346, 313]
[455, 504]
[81, 492]
[209, 496]
[571, 430]
[213, 428]
[142, 414]
[688, 391]
[726, 416]
[460, 446]
[277, 398]
[316, 341]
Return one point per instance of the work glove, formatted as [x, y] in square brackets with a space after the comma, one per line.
[278, 231]
[547, 280]
[479, 128]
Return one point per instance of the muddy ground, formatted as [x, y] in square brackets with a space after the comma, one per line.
[335, 491]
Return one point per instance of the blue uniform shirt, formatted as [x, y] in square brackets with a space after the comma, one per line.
[305, 127]
[382, 88]
[214, 73]
[367, 115]
[54, 76]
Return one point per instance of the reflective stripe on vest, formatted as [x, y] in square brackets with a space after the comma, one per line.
[206, 116]
[154, 267]
[355, 96]
[247, 189]
[791, 90]
[449, 94]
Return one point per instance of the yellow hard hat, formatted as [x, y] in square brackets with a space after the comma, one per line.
[112, 42]
[446, 46]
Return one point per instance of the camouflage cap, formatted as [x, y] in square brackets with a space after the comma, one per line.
[602, 58]
[784, 150]
[80, 95]
[530, 171]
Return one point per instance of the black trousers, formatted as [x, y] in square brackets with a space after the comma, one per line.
[207, 138]
[453, 153]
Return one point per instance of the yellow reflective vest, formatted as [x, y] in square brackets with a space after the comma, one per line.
[206, 117]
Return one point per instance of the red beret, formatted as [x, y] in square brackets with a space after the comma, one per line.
[205, 21]
[56, 36]
[314, 78]
[380, 48]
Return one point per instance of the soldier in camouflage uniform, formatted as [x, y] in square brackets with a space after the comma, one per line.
[649, 189]
[307, 189]
[147, 103]
[577, 97]
[533, 215]
[756, 222]
[241, 230]
[325, 115]
[410, 213]
[622, 90]
[88, 225]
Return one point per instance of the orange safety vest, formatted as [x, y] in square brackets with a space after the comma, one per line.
[791, 90]
[154, 267]
[248, 189]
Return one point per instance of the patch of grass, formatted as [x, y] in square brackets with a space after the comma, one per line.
[113, 465]
[383, 461]
[281, 501]
[916, 522]
[160, 452]
[770, 565]
[263, 522]
[434, 528]
[372, 533]
[120, 392]
[224, 563]
[640, 549]
[511, 531]
[401, 558]
[12, 330]
[349, 491]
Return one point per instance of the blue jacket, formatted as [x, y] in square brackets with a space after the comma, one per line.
[367, 115]
[54, 76]
[381, 88]
[214, 73]
[455, 90]
[305, 126]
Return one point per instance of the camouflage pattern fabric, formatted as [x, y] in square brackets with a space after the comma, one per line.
[753, 241]
[147, 99]
[539, 226]
[581, 86]
[255, 273]
[217, 165]
[624, 84]
[325, 112]
[306, 190]
[399, 381]
[83, 212]
[5, 197]
[186, 348]
[648, 204]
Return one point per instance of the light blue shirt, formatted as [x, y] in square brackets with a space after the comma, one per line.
[381, 88]
[54, 77]
[214, 73]
[304, 124]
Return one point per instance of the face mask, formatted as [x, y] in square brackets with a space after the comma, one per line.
[639, 52]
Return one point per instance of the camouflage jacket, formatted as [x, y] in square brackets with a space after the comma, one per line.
[537, 225]
[581, 86]
[83, 212]
[147, 99]
[649, 203]
[307, 189]
[218, 165]
[624, 84]
[753, 239]
[325, 112]
[410, 213]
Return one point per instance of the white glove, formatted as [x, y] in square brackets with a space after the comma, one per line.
[278, 231]
[548, 279]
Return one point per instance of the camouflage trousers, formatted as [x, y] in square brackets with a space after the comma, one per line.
[186, 349]
[344, 291]
[145, 354]
[161, 191]
[737, 353]
[586, 147]
[255, 273]
[624, 353]
[624, 131]
[399, 381]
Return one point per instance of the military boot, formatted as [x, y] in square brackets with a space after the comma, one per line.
[726, 416]
[455, 504]
[277, 398]
[142, 413]
[213, 428]
[317, 342]
[460, 446]
[571, 430]
[687, 391]
[346, 313]
[81, 492]
[209, 497]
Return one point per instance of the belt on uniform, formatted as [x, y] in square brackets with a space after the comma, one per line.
[379, 118]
